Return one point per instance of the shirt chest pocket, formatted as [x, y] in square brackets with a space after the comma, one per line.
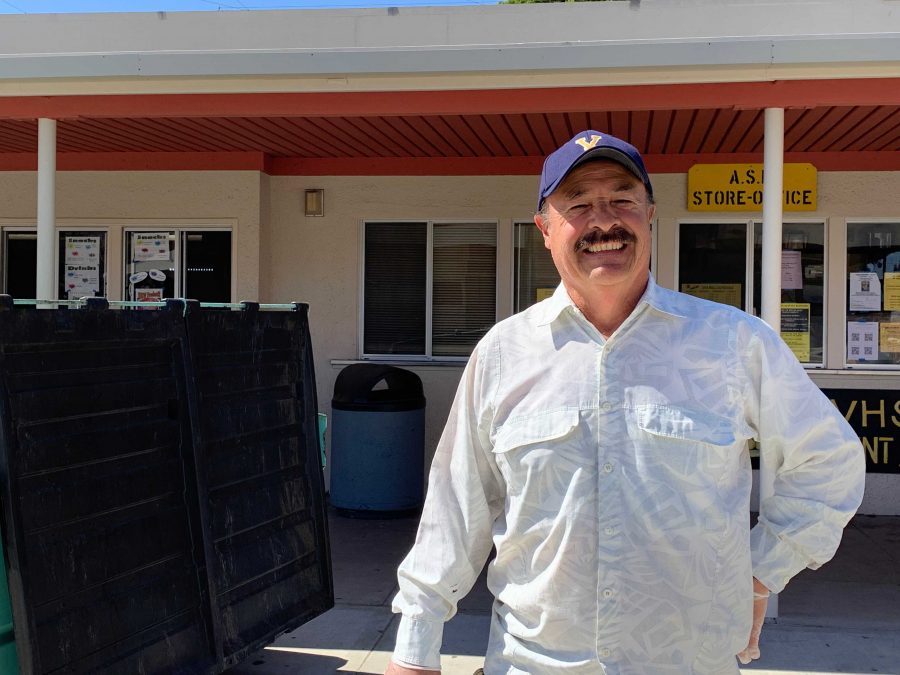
[682, 440]
[535, 448]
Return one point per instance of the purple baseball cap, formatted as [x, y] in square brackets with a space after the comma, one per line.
[589, 145]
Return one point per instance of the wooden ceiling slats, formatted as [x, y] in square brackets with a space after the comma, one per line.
[698, 131]
[506, 138]
[660, 129]
[290, 144]
[289, 127]
[344, 134]
[858, 139]
[672, 131]
[639, 134]
[431, 141]
[400, 145]
[743, 122]
[525, 137]
[313, 135]
[797, 130]
[542, 131]
[467, 135]
[445, 130]
[682, 121]
[78, 136]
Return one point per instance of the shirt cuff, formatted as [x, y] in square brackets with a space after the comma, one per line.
[775, 561]
[419, 643]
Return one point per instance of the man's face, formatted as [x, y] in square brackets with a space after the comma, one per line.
[597, 227]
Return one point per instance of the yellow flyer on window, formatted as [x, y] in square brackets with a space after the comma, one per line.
[891, 291]
[727, 294]
[795, 328]
[889, 337]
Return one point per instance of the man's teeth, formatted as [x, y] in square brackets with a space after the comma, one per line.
[605, 246]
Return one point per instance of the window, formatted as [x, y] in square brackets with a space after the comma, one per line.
[873, 294]
[716, 262]
[20, 263]
[535, 274]
[429, 288]
[174, 263]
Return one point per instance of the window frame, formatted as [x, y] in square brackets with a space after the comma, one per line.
[429, 285]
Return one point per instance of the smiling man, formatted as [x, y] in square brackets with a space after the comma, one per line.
[599, 442]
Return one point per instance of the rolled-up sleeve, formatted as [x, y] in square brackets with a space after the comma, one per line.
[465, 495]
[818, 461]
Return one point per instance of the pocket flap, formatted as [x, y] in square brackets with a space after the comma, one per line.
[693, 425]
[535, 428]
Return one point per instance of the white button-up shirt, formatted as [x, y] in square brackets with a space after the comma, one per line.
[613, 478]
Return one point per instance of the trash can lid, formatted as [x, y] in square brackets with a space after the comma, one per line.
[354, 389]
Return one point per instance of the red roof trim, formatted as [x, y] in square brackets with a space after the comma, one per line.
[738, 95]
[141, 161]
[410, 166]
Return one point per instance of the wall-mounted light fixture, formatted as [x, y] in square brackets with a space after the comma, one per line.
[314, 202]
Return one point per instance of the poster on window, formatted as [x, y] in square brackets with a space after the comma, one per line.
[862, 341]
[81, 281]
[865, 292]
[727, 294]
[889, 338]
[891, 291]
[150, 246]
[148, 294]
[791, 270]
[81, 269]
[83, 251]
[795, 328]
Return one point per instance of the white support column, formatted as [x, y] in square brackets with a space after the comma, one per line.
[773, 201]
[46, 207]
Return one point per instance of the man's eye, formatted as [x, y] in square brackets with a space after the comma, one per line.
[624, 203]
[578, 207]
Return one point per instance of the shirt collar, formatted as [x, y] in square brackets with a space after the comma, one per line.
[658, 298]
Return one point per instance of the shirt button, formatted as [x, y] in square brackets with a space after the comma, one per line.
[605, 652]
[608, 467]
[610, 531]
[606, 406]
[607, 593]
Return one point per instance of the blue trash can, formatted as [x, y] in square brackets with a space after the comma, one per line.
[377, 442]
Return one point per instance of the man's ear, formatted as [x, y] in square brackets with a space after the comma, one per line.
[543, 224]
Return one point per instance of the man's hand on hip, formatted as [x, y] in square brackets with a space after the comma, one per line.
[760, 600]
[397, 669]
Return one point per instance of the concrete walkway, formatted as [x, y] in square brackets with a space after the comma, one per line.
[843, 618]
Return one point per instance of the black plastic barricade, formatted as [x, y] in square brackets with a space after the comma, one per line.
[162, 497]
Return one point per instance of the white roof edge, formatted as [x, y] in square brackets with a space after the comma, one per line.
[534, 57]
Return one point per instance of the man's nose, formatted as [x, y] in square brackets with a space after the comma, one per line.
[604, 214]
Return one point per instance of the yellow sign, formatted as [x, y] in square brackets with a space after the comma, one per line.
[889, 337]
[795, 328]
[738, 187]
[727, 294]
[891, 291]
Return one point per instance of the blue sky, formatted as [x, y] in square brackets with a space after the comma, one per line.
[66, 6]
